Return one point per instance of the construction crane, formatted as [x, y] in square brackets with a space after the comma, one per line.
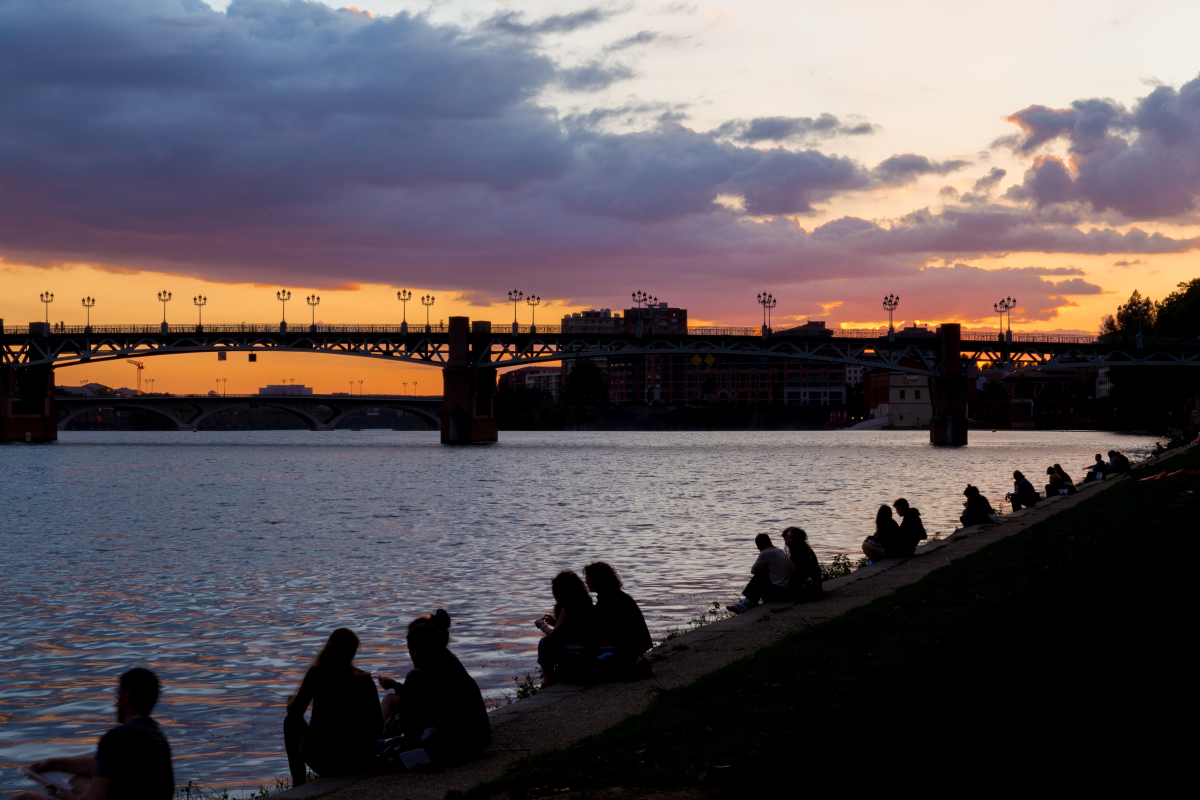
[140, 366]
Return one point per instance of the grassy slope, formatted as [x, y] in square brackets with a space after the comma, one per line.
[1039, 655]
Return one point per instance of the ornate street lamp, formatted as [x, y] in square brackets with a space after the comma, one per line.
[889, 304]
[88, 303]
[47, 298]
[313, 301]
[533, 301]
[427, 301]
[164, 297]
[200, 301]
[515, 297]
[404, 295]
[1006, 306]
[640, 297]
[283, 295]
[768, 302]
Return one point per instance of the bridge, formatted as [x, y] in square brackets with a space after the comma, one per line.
[469, 354]
[190, 412]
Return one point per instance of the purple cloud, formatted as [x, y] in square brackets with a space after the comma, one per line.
[1143, 164]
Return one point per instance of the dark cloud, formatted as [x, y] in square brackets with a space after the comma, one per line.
[908, 167]
[1143, 164]
[291, 141]
[641, 38]
[782, 129]
[1124, 262]
[511, 22]
[593, 76]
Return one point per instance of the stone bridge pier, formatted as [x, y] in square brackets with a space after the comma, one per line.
[31, 417]
[948, 391]
[468, 393]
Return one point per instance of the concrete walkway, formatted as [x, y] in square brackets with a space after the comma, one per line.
[558, 716]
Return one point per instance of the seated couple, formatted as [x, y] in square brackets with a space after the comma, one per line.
[133, 760]
[437, 712]
[592, 642]
[1058, 482]
[781, 577]
[892, 539]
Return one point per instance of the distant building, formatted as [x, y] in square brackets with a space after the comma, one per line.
[854, 374]
[814, 327]
[592, 321]
[87, 390]
[547, 379]
[286, 389]
[901, 397]
[1103, 383]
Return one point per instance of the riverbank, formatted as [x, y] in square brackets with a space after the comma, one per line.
[1015, 635]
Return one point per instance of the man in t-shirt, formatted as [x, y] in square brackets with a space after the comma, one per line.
[132, 761]
[772, 572]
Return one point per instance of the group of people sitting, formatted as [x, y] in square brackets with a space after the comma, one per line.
[794, 575]
[1116, 464]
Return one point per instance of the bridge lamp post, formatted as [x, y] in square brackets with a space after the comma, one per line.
[164, 297]
[427, 301]
[768, 302]
[640, 297]
[889, 304]
[515, 297]
[47, 298]
[200, 301]
[404, 295]
[533, 301]
[313, 301]
[283, 295]
[88, 303]
[1005, 306]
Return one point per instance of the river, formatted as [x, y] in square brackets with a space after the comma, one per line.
[222, 560]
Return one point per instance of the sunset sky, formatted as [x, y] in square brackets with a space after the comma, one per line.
[831, 153]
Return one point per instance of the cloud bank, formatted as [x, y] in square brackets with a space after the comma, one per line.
[290, 142]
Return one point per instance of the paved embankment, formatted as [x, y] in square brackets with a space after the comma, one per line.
[557, 717]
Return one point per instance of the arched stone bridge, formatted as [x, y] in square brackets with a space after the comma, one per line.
[319, 412]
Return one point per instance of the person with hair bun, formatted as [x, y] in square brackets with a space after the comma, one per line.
[341, 738]
[977, 510]
[439, 707]
[806, 583]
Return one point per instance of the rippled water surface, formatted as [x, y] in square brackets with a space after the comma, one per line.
[222, 560]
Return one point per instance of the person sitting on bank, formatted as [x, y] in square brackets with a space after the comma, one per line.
[1097, 470]
[1117, 462]
[886, 541]
[572, 623]
[619, 620]
[912, 530]
[1054, 483]
[346, 720]
[1068, 483]
[772, 577]
[439, 694]
[132, 760]
[1023, 494]
[806, 583]
[978, 511]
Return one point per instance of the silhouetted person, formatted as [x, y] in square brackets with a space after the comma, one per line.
[1117, 463]
[1054, 483]
[886, 540]
[806, 581]
[1068, 483]
[346, 721]
[772, 577]
[619, 620]
[1023, 494]
[978, 511]
[572, 623]
[439, 707]
[1097, 470]
[912, 530]
[133, 760]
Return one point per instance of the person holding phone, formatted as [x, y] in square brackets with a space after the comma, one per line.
[133, 760]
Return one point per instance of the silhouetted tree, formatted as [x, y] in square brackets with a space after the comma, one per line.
[586, 385]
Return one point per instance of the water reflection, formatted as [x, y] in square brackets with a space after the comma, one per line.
[222, 560]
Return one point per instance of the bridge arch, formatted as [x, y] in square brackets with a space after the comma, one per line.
[308, 419]
[432, 420]
[65, 421]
